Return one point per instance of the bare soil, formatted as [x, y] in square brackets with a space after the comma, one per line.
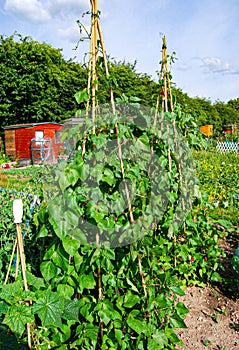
[213, 318]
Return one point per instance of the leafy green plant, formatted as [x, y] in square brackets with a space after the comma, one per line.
[8, 228]
[221, 311]
[235, 326]
[107, 270]
[215, 317]
[91, 296]
[3, 157]
[207, 342]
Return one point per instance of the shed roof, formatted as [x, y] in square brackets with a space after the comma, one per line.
[72, 122]
[28, 125]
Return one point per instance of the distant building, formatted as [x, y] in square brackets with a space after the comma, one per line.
[206, 130]
[35, 142]
[229, 129]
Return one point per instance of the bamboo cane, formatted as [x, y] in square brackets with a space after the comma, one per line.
[142, 277]
[168, 93]
[116, 126]
[106, 65]
[123, 176]
[164, 75]
[92, 77]
[17, 263]
[89, 80]
[94, 58]
[92, 84]
[18, 213]
[89, 94]
[21, 254]
[23, 265]
[10, 263]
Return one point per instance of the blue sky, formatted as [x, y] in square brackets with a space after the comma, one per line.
[203, 33]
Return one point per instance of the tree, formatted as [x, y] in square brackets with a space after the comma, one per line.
[235, 105]
[36, 83]
[228, 113]
[126, 81]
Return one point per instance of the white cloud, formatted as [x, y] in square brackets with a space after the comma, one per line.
[182, 66]
[32, 10]
[71, 34]
[216, 65]
[44, 10]
[63, 8]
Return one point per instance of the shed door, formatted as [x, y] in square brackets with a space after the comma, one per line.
[10, 146]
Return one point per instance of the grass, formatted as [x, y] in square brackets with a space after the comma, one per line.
[19, 178]
[218, 175]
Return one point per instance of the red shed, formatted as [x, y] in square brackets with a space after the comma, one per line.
[22, 139]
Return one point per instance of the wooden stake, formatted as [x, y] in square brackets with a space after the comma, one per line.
[168, 93]
[165, 77]
[23, 265]
[106, 66]
[18, 213]
[11, 260]
[131, 217]
[94, 48]
[116, 126]
[92, 89]
[17, 264]
[142, 277]
[21, 254]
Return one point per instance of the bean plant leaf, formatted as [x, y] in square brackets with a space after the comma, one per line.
[105, 315]
[163, 301]
[81, 96]
[132, 285]
[172, 336]
[216, 277]
[59, 257]
[177, 290]
[118, 335]
[225, 223]
[43, 232]
[87, 281]
[157, 342]
[48, 270]
[49, 307]
[177, 322]
[137, 325]
[131, 299]
[71, 310]
[34, 281]
[65, 291]
[71, 245]
[108, 177]
[72, 176]
[181, 309]
[160, 338]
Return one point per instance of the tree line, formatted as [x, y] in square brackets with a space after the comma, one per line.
[37, 84]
